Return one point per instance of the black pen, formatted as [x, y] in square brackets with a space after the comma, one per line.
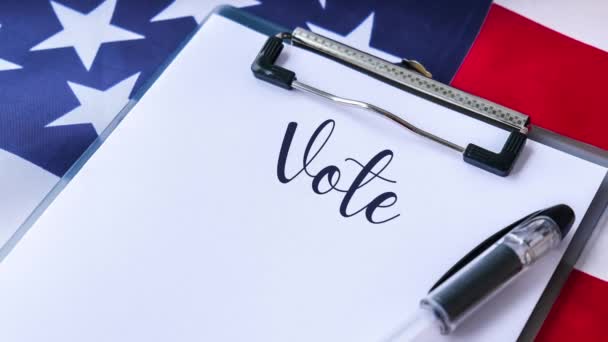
[485, 271]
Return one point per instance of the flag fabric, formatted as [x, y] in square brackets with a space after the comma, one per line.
[67, 67]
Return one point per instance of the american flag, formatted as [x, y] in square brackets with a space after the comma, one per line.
[67, 67]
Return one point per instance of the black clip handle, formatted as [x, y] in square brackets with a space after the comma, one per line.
[498, 163]
[263, 66]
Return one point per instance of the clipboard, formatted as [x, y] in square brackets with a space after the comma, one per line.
[539, 135]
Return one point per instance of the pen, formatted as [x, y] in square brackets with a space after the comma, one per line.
[471, 283]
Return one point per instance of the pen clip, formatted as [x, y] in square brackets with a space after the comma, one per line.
[484, 245]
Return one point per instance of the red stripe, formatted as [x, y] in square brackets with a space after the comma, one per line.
[558, 81]
[580, 313]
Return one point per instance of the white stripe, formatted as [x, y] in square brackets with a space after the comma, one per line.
[583, 20]
[23, 185]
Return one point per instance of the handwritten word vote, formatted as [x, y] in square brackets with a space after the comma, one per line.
[331, 174]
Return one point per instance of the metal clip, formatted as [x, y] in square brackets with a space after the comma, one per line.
[400, 74]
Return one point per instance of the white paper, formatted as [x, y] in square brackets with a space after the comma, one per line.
[178, 229]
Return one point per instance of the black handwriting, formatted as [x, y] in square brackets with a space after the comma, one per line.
[332, 173]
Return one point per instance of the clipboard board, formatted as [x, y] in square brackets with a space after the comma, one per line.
[538, 134]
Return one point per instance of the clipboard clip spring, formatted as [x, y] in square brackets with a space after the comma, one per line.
[264, 68]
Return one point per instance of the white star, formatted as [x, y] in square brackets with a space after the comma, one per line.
[359, 37]
[199, 9]
[6, 65]
[86, 32]
[323, 3]
[97, 107]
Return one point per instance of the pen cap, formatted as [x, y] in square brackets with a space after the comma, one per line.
[479, 280]
[562, 215]
[536, 236]
[466, 291]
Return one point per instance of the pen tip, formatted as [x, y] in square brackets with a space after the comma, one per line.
[563, 215]
[422, 326]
